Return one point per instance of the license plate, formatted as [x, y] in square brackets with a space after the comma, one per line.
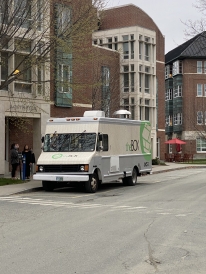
[59, 178]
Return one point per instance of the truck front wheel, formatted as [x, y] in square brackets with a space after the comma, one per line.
[92, 185]
[48, 185]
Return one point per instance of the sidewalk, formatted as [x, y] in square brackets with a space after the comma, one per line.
[32, 185]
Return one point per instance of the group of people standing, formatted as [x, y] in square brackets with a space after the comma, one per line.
[16, 159]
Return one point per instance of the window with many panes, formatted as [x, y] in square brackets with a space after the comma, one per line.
[199, 90]
[201, 144]
[177, 118]
[177, 91]
[201, 67]
[169, 94]
[168, 71]
[177, 68]
[168, 120]
[199, 117]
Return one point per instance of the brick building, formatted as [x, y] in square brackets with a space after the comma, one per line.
[130, 31]
[77, 78]
[185, 95]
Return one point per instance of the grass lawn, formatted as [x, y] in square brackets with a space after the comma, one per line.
[197, 161]
[9, 181]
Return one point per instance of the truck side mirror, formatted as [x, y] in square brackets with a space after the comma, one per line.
[42, 139]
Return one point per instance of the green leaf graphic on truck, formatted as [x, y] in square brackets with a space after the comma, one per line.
[145, 140]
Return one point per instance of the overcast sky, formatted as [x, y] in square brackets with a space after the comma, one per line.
[167, 15]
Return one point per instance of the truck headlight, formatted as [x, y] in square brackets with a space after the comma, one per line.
[84, 168]
[41, 168]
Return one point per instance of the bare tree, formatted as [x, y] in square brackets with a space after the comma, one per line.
[33, 32]
[195, 27]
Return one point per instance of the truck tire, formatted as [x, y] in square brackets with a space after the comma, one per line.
[131, 180]
[91, 186]
[48, 185]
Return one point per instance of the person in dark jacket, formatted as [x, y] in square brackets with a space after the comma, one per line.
[14, 156]
[27, 154]
[33, 161]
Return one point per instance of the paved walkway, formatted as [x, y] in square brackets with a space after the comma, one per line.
[37, 185]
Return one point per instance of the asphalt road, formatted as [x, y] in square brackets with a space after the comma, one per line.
[157, 226]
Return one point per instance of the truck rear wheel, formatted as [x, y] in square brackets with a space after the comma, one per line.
[131, 180]
[48, 185]
[92, 185]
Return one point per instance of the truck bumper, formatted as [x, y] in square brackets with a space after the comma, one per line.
[60, 178]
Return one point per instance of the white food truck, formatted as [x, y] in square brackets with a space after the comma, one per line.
[93, 149]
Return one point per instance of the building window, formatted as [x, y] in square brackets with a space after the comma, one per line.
[125, 37]
[4, 67]
[147, 113]
[116, 44]
[132, 50]
[199, 66]
[22, 14]
[169, 94]
[201, 144]
[178, 119]
[168, 121]
[126, 68]
[177, 91]
[140, 82]
[147, 52]
[132, 81]
[199, 90]
[168, 71]
[147, 83]
[126, 50]
[140, 50]
[64, 78]
[126, 82]
[109, 41]
[147, 69]
[177, 68]
[147, 39]
[40, 14]
[63, 18]
[126, 101]
[199, 117]
[106, 90]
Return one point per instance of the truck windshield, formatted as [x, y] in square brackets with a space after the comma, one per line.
[68, 142]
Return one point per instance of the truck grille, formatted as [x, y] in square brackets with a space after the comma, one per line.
[61, 168]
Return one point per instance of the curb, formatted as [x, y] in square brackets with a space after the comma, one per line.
[178, 168]
[27, 190]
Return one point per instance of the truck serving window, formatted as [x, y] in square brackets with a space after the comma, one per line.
[68, 142]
